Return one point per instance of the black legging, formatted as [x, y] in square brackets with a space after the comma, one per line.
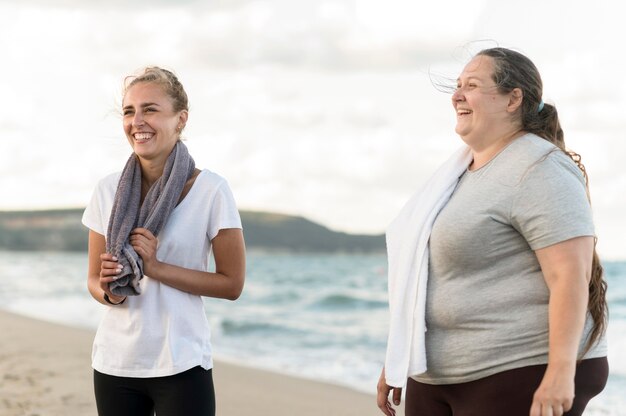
[189, 393]
[507, 393]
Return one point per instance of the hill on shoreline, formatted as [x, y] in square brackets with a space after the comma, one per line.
[62, 230]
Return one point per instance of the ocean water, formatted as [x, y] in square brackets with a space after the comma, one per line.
[322, 317]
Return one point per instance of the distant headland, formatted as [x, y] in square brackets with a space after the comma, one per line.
[61, 230]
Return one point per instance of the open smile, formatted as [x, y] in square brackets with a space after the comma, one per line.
[142, 137]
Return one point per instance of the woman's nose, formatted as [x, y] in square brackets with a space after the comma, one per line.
[457, 95]
[138, 119]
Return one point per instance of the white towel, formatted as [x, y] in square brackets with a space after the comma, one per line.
[407, 253]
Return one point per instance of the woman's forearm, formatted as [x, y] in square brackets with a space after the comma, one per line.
[197, 282]
[567, 312]
[230, 267]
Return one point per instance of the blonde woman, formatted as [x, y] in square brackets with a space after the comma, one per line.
[152, 229]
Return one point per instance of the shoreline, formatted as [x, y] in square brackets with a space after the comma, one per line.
[46, 370]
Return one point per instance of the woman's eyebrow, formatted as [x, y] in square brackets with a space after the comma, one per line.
[471, 77]
[143, 105]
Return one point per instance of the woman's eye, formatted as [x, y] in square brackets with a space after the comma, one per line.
[150, 110]
[127, 113]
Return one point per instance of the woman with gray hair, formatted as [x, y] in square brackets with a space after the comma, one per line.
[496, 292]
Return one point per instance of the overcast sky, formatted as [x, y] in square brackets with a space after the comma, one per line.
[317, 108]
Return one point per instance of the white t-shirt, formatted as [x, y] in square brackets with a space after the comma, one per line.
[163, 331]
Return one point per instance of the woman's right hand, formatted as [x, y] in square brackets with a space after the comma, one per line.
[109, 270]
[382, 398]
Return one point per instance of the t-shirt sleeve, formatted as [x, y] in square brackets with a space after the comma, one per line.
[223, 211]
[551, 204]
[92, 216]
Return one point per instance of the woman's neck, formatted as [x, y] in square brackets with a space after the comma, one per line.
[151, 171]
[482, 155]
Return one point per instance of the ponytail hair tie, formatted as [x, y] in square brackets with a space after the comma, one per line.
[540, 106]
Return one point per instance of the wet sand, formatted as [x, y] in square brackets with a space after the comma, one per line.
[45, 371]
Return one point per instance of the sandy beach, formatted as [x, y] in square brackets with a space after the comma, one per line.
[45, 371]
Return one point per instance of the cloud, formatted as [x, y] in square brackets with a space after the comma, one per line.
[337, 35]
[109, 4]
[312, 107]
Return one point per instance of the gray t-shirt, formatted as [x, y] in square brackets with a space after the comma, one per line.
[487, 300]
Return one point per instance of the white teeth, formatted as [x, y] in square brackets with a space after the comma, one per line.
[142, 136]
[463, 112]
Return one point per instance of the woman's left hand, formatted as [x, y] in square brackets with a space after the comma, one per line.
[555, 394]
[145, 244]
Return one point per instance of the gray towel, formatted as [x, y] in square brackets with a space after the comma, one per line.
[128, 213]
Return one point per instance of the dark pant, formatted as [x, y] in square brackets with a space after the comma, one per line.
[189, 393]
[508, 393]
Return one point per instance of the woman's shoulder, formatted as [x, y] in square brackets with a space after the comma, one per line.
[208, 184]
[550, 157]
[546, 162]
[109, 182]
[531, 156]
[113, 177]
[210, 178]
[514, 162]
[530, 151]
[209, 188]
[532, 148]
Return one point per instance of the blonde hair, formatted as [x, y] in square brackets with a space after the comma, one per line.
[170, 83]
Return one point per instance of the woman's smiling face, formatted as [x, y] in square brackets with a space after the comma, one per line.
[151, 125]
[479, 106]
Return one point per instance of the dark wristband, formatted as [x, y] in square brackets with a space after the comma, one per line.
[108, 300]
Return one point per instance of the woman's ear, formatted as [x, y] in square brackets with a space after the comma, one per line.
[515, 100]
[182, 119]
